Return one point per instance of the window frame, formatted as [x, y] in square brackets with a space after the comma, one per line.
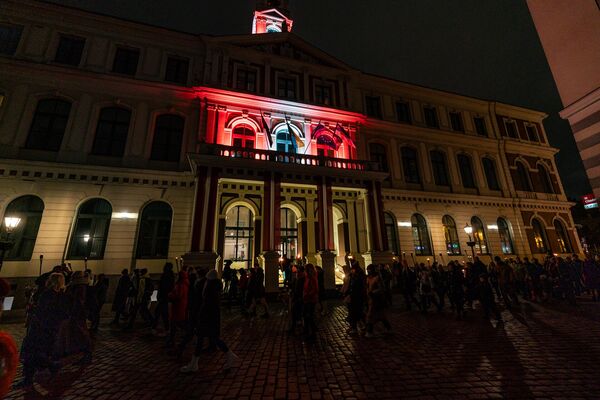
[244, 138]
[373, 106]
[247, 234]
[490, 167]
[479, 236]
[157, 149]
[451, 236]
[123, 50]
[44, 135]
[410, 165]
[244, 84]
[178, 77]
[11, 46]
[562, 237]
[379, 154]
[320, 99]
[547, 185]
[391, 229]
[439, 168]
[73, 38]
[524, 177]
[31, 220]
[92, 238]
[287, 80]
[480, 126]
[543, 237]
[420, 235]
[407, 112]
[513, 123]
[531, 129]
[430, 116]
[288, 235]
[466, 171]
[114, 125]
[155, 225]
[456, 121]
[505, 236]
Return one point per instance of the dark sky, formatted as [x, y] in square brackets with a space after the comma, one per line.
[482, 48]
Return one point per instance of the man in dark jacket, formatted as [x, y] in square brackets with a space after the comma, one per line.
[121, 294]
[165, 286]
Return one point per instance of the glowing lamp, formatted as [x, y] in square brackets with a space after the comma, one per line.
[468, 229]
[11, 223]
[405, 224]
[86, 238]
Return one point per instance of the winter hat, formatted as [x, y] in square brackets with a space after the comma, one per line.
[212, 275]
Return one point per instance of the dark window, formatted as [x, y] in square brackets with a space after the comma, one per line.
[177, 70]
[564, 243]
[466, 171]
[410, 164]
[420, 235]
[505, 237]
[523, 178]
[286, 87]
[243, 136]
[511, 129]
[456, 122]
[245, 79]
[532, 133]
[10, 35]
[373, 106]
[451, 236]
[479, 238]
[378, 153]
[168, 135]
[29, 209]
[155, 231]
[91, 230]
[323, 94]
[403, 112]
[540, 239]
[48, 125]
[111, 132]
[480, 126]
[431, 119]
[126, 61]
[69, 50]
[547, 186]
[391, 232]
[491, 177]
[440, 168]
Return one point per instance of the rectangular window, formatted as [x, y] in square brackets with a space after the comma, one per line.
[480, 126]
[286, 87]
[10, 35]
[245, 79]
[403, 112]
[431, 119]
[511, 129]
[69, 50]
[323, 94]
[456, 122]
[373, 106]
[532, 133]
[177, 70]
[126, 61]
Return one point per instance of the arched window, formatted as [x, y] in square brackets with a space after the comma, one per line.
[420, 235]
[326, 146]
[547, 186]
[239, 235]
[505, 238]
[479, 238]
[154, 231]
[540, 238]
[285, 141]
[439, 167]
[243, 136]
[392, 232]
[378, 154]
[451, 236]
[466, 171]
[289, 233]
[491, 177]
[410, 164]
[111, 132]
[168, 135]
[523, 178]
[30, 210]
[562, 236]
[48, 125]
[91, 230]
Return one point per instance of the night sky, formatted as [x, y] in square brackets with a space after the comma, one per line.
[482, 48]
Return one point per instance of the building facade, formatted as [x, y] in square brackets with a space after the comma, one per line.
[124, 145]
[570, 34]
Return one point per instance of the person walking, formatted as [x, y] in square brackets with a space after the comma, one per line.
[457, 289]
[310, 297]
[507, 283]
[409, 286]
[121, 293]
[145, 287]
[356, 298]
[296, 285]
[209, 324]
[377, 301]
[100, 292]
[486, 296]
[256, 291]
[178, 298]
[165, 287]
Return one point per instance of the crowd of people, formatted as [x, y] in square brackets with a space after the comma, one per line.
[64, 310]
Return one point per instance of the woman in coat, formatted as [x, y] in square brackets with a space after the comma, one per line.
[209, 323]
[178, 297]
[44, 323]
[377, 301]
[121, 294]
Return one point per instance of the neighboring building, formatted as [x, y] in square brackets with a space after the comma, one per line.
[570, 34]
[124, 145]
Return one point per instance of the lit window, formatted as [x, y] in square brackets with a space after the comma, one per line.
[479, 238]
[540, 238]
[30, 210]
[564, 243]
[505, 237]
[239, 236]
[289, 233]
[90, 232]
[391, 232]
[420, 235]
[451, 236]
[243, 136]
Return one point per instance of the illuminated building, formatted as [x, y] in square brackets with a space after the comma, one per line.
[125, 145]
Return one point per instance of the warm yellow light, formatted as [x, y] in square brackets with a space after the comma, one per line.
[468, 229]
[11, 223]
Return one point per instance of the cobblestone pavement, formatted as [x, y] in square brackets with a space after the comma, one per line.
[540, 352]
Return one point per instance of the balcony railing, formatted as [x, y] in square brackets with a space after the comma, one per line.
[287, 158]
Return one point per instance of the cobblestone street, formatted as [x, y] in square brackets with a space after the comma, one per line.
[539, 352]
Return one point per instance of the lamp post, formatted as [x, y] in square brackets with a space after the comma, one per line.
[10, 223]
[471, 243]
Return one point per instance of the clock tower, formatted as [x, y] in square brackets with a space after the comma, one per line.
[271, 16]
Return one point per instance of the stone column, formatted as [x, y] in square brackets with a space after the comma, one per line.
[326, 259]
[378, 244]
[325, 214]
[271, 230]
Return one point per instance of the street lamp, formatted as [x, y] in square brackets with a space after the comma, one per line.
[471, 243]
[10, 223]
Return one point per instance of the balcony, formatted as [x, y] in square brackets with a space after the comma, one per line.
[214, 154]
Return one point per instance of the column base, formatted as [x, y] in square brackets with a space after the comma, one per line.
[326, 259]
[378, 257]
[270, 264]
[201, 259]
